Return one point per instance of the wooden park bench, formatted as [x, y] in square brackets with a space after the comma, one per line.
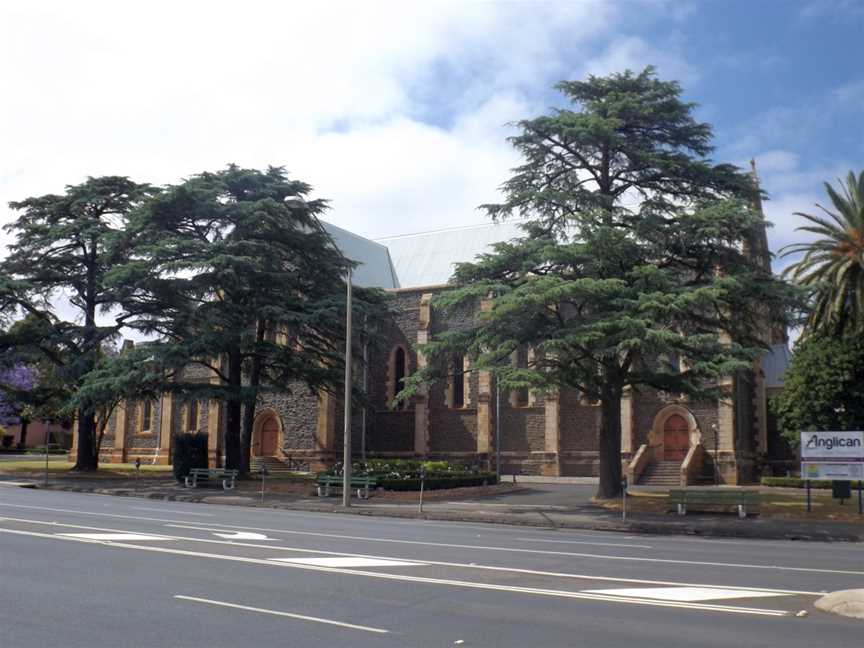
[211, 474]
[362, 484]
[714, 499]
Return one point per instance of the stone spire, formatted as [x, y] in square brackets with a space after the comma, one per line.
[756, 246]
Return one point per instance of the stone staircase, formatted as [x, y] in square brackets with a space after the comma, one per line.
[661, 473]
[275, 467]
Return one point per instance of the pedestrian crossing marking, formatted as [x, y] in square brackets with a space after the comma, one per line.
[113, 536]
[685, 594]
[349, 561]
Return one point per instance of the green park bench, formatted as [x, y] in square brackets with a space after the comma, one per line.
[361, 484]
[227, 477]
[714, 499]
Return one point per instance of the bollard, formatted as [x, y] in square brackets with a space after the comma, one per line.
[263, 475]
[137, 472]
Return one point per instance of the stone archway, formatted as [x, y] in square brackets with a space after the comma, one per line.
[267, 434]
[674, 431]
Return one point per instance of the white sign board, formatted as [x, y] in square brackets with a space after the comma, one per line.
[832, 455]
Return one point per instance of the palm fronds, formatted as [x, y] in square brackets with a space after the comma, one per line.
[833, 264]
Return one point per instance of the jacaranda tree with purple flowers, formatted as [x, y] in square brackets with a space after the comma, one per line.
[16, 384]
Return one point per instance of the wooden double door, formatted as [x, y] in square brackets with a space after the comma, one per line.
[266, 441]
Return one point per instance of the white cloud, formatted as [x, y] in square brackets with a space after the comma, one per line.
[394, 110]
[792, 188]
[634, 53]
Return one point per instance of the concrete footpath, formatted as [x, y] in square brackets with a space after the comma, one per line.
[564, 506]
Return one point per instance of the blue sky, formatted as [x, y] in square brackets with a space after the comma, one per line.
[397, 111]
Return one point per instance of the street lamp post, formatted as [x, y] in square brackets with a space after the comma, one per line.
[497, 431]
[346, 448]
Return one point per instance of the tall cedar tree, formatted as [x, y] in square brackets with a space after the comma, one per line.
[233, 277]
[632, 271]
[64, 247]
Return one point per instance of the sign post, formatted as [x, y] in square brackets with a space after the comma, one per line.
[835, 456]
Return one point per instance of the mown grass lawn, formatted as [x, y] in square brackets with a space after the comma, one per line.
[60, 465]
[776, 503]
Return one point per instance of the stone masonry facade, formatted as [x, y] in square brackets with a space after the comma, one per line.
[554, 434]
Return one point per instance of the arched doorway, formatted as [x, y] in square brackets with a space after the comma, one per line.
[676, 438]
[266, 435]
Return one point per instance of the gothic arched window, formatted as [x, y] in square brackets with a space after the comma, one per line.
[398, 371]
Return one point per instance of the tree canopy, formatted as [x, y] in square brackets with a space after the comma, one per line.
[823, 388]
[641, 263]
[234, 273]
[64, 245]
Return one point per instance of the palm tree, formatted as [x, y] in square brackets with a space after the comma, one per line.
[833, 265]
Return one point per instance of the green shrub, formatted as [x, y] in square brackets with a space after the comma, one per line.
[190, 451]
[797, 482]
[404, 474]
[438, 482]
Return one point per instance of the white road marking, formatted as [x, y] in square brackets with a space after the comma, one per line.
[243, 535]
[431, 581]
[179, 524]
[514, 570]
[688, 594]
[159, 510]
[115, 536]
[290, 615]
[540, 551]
[350, 561]
[585, 542]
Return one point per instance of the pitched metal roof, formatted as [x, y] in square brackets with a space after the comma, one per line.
[429, 258]
[376, 269]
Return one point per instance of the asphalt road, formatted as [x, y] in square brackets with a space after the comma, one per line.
[90, 570]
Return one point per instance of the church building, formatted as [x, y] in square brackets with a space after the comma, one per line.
[664, 439]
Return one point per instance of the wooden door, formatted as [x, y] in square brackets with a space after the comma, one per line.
[269, 437]
[676, 438]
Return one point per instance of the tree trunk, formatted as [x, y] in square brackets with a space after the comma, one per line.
[610, 446]
[86, 459]
[251, 402]
[23, 440]
[233, 412]
[246, 436]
